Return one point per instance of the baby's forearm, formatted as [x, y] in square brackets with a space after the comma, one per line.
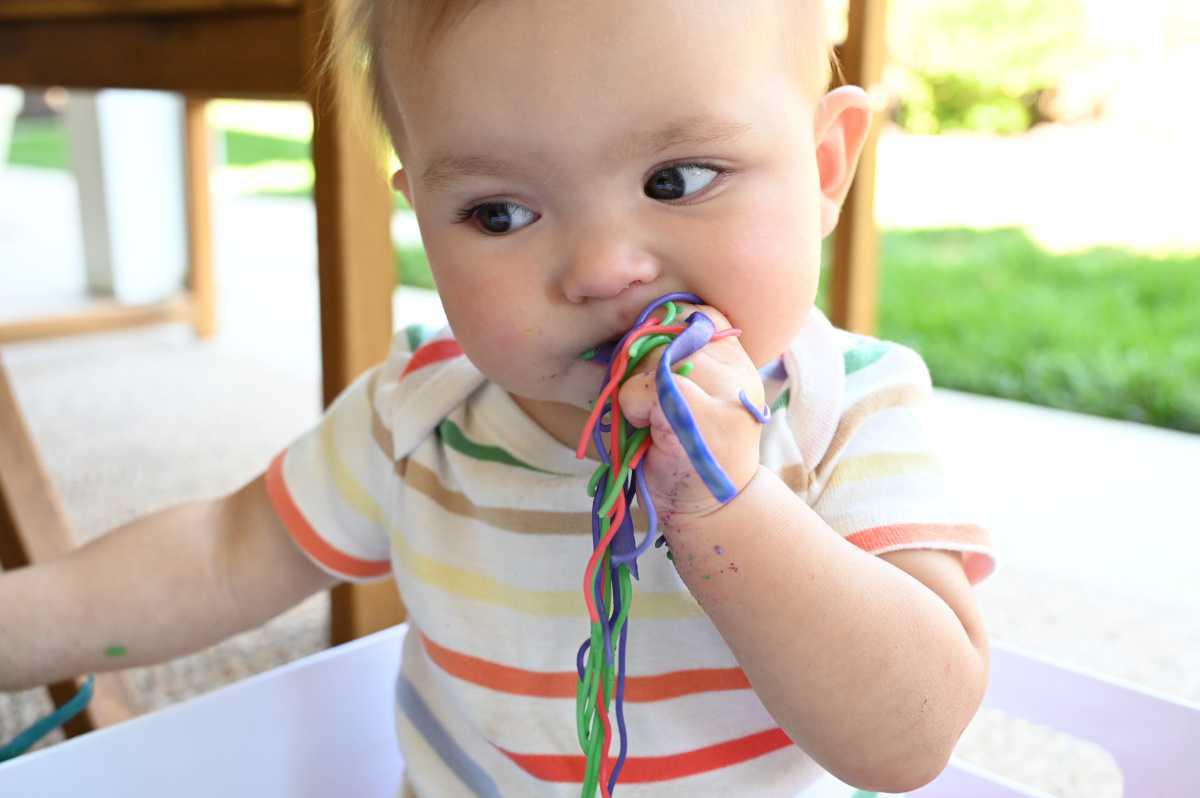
[138, 595]
[862, 665]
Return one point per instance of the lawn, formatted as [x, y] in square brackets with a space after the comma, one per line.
[1104, 331]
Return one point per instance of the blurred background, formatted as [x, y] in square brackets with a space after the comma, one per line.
[1039, 244]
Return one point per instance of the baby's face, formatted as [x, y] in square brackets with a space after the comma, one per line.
[570, 162]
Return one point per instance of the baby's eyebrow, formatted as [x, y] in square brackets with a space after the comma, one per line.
[446, 169]
[692, 131]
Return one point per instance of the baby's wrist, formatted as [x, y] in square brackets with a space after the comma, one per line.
[740, 497]
[675, 521]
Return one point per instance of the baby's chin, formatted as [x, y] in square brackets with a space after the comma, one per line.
[577, 387]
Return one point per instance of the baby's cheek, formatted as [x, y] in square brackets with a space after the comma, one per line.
[770, 267]
[510, 353]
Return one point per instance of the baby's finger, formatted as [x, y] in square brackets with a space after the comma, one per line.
[637, 398]
[717, 380]
[725, 348]
[721, 369]
[720, 431]
[644, 355]
[718, 318]
[652, 344]
[723, 372]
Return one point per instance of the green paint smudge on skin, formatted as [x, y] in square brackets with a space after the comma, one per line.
[116, 651]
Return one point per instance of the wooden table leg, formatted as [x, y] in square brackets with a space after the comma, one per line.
[853, 279]
[200, 280]
[356, 272]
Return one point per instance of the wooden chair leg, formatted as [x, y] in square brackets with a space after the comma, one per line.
[33, 529]
[200, 282]
[355, 269]
[853, 280]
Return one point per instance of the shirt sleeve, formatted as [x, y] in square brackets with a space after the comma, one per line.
[336, 487]
[881, 483]
[331, 488]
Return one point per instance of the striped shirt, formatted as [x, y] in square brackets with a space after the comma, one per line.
[425, 471]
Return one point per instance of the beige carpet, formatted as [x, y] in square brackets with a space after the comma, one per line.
[131, 422]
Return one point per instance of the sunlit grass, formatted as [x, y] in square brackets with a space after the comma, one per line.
[280, 120]
[1105, 331]
[40, 143]
[267, 178]
[247, 163]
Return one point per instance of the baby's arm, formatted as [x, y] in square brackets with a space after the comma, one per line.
[873, 665]
[168, 584]
[866, 667]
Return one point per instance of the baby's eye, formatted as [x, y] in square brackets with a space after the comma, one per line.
[676, 182]
[498, 218]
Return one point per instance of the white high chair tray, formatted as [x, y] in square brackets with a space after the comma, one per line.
[321, 726]
[324, 726]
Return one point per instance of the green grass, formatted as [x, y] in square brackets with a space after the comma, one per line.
[39, 142]
[43, 143]
[1107, 331]
[412, 268]
[248, 149]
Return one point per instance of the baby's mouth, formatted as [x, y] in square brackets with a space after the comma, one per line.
[603, 352]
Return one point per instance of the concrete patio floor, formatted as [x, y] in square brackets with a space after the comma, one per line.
[1092, 518]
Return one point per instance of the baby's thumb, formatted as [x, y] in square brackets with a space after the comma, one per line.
[636, 398]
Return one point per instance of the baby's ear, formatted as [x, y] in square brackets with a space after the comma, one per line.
[400, 183]
[840, 126]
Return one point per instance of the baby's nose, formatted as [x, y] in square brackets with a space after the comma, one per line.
[603, 269]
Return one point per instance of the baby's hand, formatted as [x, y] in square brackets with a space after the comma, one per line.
[721, 370]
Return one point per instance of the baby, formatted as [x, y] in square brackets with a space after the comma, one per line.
[568, 164]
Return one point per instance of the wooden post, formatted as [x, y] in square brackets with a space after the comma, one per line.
[354, 210]
[854, 282]
[200, 283]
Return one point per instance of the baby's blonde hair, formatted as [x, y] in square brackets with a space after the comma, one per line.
[352, 64]
[352, 60]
